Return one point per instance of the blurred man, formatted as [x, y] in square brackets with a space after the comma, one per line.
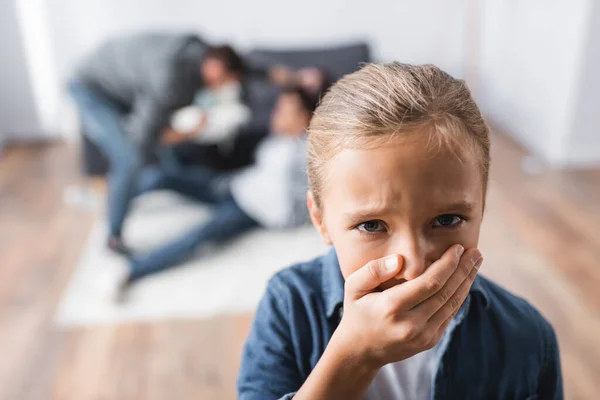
[125, 92]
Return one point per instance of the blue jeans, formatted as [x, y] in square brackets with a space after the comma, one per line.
[226, 221]
[169, 160]
[101, 121]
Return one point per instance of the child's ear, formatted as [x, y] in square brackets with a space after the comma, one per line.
[316, 215]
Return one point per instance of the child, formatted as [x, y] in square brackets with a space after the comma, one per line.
[217, 110]
[398, 169]
[271, 193]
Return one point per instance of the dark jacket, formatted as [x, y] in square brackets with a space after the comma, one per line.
[501, 349]
[150, 75]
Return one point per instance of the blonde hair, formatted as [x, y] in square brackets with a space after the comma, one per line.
[381, 102]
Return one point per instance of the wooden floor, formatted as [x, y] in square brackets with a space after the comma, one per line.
[541, 239]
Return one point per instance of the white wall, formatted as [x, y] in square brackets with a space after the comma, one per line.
[534, 61]
[431, 31]
[582, 146]
[55, 34]
[38, 51]
[530, 75]
[18, 116]
[414, 31]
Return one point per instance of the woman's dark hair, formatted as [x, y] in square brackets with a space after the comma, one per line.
[326, 83]
[228, 56]
[309, 101]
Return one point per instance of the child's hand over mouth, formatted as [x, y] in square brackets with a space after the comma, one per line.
[381, 327]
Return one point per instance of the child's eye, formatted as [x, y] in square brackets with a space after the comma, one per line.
[447, 220]
[372, 226]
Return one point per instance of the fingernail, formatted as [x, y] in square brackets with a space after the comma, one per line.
[459, 250]
[475, 257]
[478, 263]
[391, 263]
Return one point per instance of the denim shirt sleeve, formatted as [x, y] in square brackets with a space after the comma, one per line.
[268, 368]
[550, 377]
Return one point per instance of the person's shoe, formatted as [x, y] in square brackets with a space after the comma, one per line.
[123, 287]
[116, 245]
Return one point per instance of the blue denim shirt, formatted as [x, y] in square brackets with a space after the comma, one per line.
[502, 348]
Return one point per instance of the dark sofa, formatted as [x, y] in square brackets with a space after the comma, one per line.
[337, 61]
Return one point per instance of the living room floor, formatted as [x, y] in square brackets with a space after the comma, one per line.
[547, 221]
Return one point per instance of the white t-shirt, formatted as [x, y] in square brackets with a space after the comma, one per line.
[412, 379]
[407, 379]
[224, 110]
[273, 190]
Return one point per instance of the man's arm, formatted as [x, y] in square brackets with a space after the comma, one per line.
[146, 122]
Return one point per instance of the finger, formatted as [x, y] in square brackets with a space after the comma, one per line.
[440, 332]
[444, 295]
[365, 279]
[413, 292]
[437, 301]
[451, 307]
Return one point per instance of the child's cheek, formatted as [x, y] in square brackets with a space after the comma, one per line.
[352, 257]
[469, 235]
[353, 250]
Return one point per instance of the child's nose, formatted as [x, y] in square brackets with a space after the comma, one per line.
[414, 251]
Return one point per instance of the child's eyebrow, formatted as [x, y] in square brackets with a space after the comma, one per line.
[462, 205]
[368, 212]
[372, 211]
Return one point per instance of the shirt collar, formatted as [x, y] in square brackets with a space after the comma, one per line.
[333, 284]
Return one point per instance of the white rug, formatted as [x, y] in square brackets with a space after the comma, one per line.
[228, 279]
